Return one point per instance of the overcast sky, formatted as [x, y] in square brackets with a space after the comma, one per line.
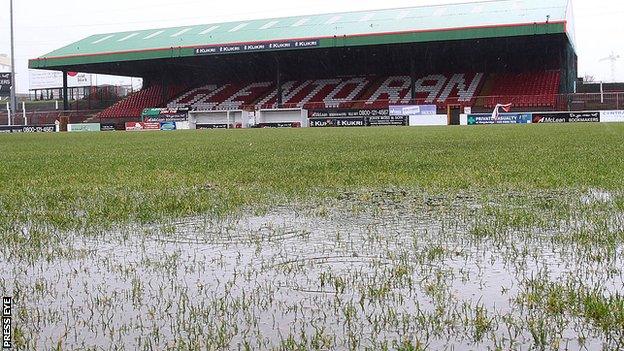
[42, 26]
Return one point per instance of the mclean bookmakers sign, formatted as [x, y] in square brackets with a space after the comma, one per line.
[566, 117]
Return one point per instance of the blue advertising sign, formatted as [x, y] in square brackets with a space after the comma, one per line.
[167, 126]
[503, 118]
[413, 110]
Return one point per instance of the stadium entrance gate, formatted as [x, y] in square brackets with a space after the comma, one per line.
[453, 112]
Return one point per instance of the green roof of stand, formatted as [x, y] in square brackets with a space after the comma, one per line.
[485, 19]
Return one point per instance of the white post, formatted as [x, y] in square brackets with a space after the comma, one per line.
[8, 114]
[24, 113]
[601, 94]
[56, 104]
[13, 86]
[227, 114]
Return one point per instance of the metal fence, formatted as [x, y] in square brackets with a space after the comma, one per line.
[562, 102]
[47, 117]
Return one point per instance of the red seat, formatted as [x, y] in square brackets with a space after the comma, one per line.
[532, 89]
[133, 105]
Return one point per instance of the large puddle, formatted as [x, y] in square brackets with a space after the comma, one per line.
[367, 271]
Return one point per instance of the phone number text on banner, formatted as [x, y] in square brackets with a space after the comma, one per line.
[503, 118]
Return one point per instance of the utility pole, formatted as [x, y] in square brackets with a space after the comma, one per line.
[13, 99]
[613, 59]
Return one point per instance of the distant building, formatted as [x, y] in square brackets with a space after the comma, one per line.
[589, 87]
[5, 63]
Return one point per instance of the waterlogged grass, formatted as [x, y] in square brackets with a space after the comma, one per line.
[601, 310]
[499, 238]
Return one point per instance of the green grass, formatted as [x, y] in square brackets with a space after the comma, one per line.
[67, 180]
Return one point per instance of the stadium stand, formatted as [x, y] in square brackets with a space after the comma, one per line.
[376, 92]
[134, 104]
[320, 93]
[532, 89]
[325, 92]
[226, 97]
[436, 89]
[466, 54]
[529, 89]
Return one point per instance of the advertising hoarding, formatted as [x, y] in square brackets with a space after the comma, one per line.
[142, 126]
[274, 45]
[168, 125]
[46, 128]
[165, 114]
[83, 127]
[413, 110]
[5, 84]
[43, 79]
[503, 118]
[354, 118]
[338, 122]
[612, 116]
[566, 117]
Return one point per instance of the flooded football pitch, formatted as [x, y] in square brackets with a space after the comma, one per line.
[399, 269]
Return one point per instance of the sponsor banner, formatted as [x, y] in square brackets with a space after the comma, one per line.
[435, 120]
[584, 117]
[279, 125]
[142, 126]
[413, 110]
[503, 118]
[46, 128]
[5, 84]
[276, 45]
[111, 127]
[388, 121]
[167, 125]
[339, 122]
[83, 127]
[183, 125]
[340, 113]
[211, 126]
[42, 79]
[566, 117]
[612, 116]
[165, 114]
[355, 118]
